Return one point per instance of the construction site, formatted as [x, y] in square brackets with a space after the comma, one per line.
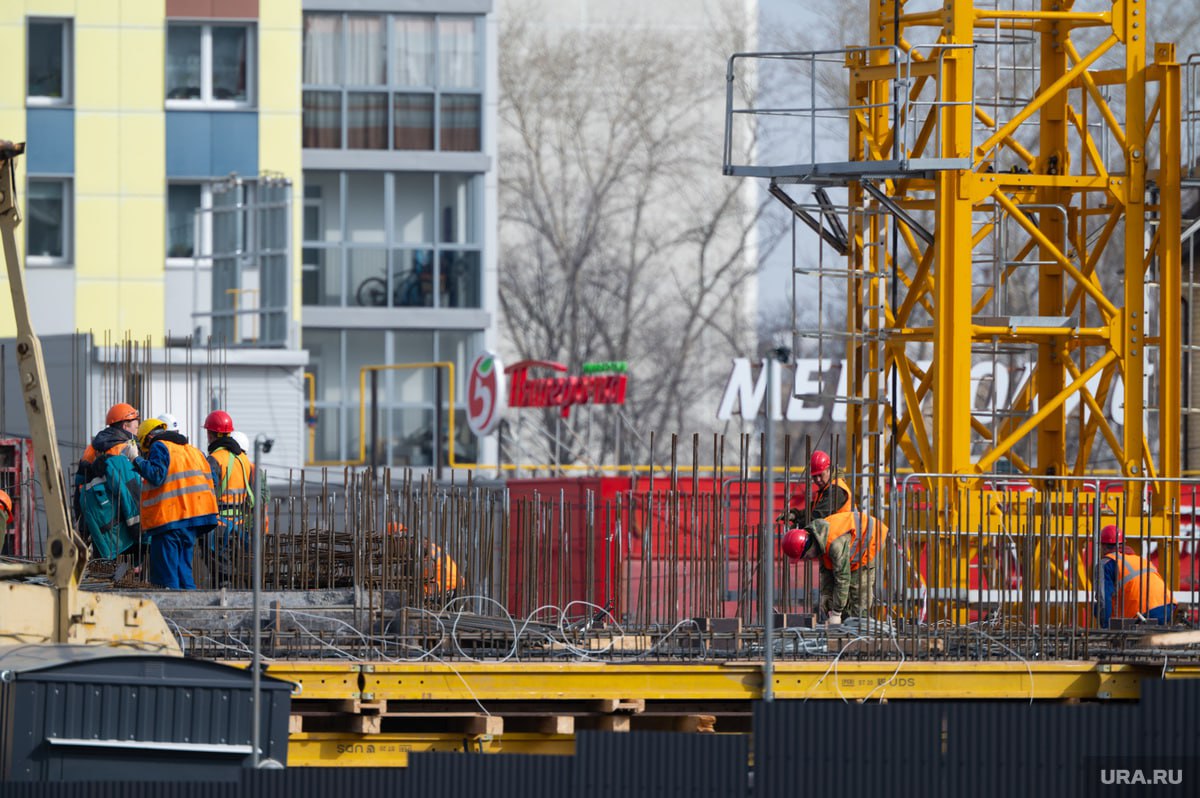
[1004, 199]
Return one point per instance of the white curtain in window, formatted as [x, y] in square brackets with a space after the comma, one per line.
[456, 53]
[322, 49]
[367, 47]
[414, 51]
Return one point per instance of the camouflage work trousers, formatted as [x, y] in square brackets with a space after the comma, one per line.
[862, 591]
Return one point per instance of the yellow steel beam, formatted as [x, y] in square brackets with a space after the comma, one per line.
[531, 682]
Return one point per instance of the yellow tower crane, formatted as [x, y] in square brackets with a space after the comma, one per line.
[1012, 184]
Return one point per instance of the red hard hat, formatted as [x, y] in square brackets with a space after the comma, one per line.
[120, 413]
[818, 462]
[795, 541]
[1112, 535]
[6, 504]
[218, 421]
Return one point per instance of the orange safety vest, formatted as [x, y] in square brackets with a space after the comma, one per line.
[866, 546]
[1139, 587]
[236, 500]
[187, 492]
[90, 454]
[847, 505]
[442, 574]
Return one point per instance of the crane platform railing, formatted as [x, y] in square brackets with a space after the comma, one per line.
[760, 127]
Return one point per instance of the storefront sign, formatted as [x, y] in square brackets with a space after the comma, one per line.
[485, 394]
[597, 389]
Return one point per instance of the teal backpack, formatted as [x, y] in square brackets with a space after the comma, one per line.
[110, 508]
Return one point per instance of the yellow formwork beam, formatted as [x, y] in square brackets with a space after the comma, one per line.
[738, 681]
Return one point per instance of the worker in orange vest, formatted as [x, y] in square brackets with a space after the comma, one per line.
[233, 539]
[1132, 586]
[116, 438]
[440, 574]
[179, 501]
[848, 546]
[6, 506]
[832, 494]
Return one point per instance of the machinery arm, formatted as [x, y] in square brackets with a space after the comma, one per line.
[66, 553]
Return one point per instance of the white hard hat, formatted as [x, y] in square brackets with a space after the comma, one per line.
[170, 420]
[242, 439]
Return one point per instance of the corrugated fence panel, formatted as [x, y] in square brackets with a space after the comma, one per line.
[438, 774]
[659, 764]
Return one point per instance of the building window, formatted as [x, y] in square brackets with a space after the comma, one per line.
[183, 200]
[210, 65]
[398, 82]
[48, 221]
[402, 429]
[404, 239]
[48, 68]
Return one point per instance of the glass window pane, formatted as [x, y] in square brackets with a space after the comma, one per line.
[457, 53]
[412, 436]
[183, 62]
[414, 347]
[413, 64]
[366, 121]
[230, 63]
[323, 119]
[460, 122]
[364, 208]
[323, 49]
[322, 276]
[466, 445]
[414, 122]
[460, 280]
[412, 278]
[363, 348]
[457, 198]
[413, 208]
[46, 58]
[182, 202]
[367, 272]
[322, 195]
[329, 435]
[45, 219]
[325, 361]
[366, 46]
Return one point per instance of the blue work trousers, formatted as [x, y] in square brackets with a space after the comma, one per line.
[171, 559]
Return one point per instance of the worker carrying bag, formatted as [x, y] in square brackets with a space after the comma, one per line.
[110, 506]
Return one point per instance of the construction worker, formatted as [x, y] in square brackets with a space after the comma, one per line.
[832, 494]
[1132, 587]
[179, 501]
[440, 574]
[116, 438]
[6, 507]
[848, 545]
[235, 497]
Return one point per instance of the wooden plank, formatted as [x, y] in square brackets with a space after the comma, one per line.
[612, 723]
[628, 705]
[1168, 639]
[362, 724]
[485, 724]
[557, 724]
[295, 724]
[356, 706]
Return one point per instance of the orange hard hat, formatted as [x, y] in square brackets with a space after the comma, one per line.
[6, 505]
[120, 413]
[795, 541]
[1112, 535]
[220, 422]
[818, 462]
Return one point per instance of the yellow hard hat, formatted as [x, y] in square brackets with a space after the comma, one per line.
[148, 426]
